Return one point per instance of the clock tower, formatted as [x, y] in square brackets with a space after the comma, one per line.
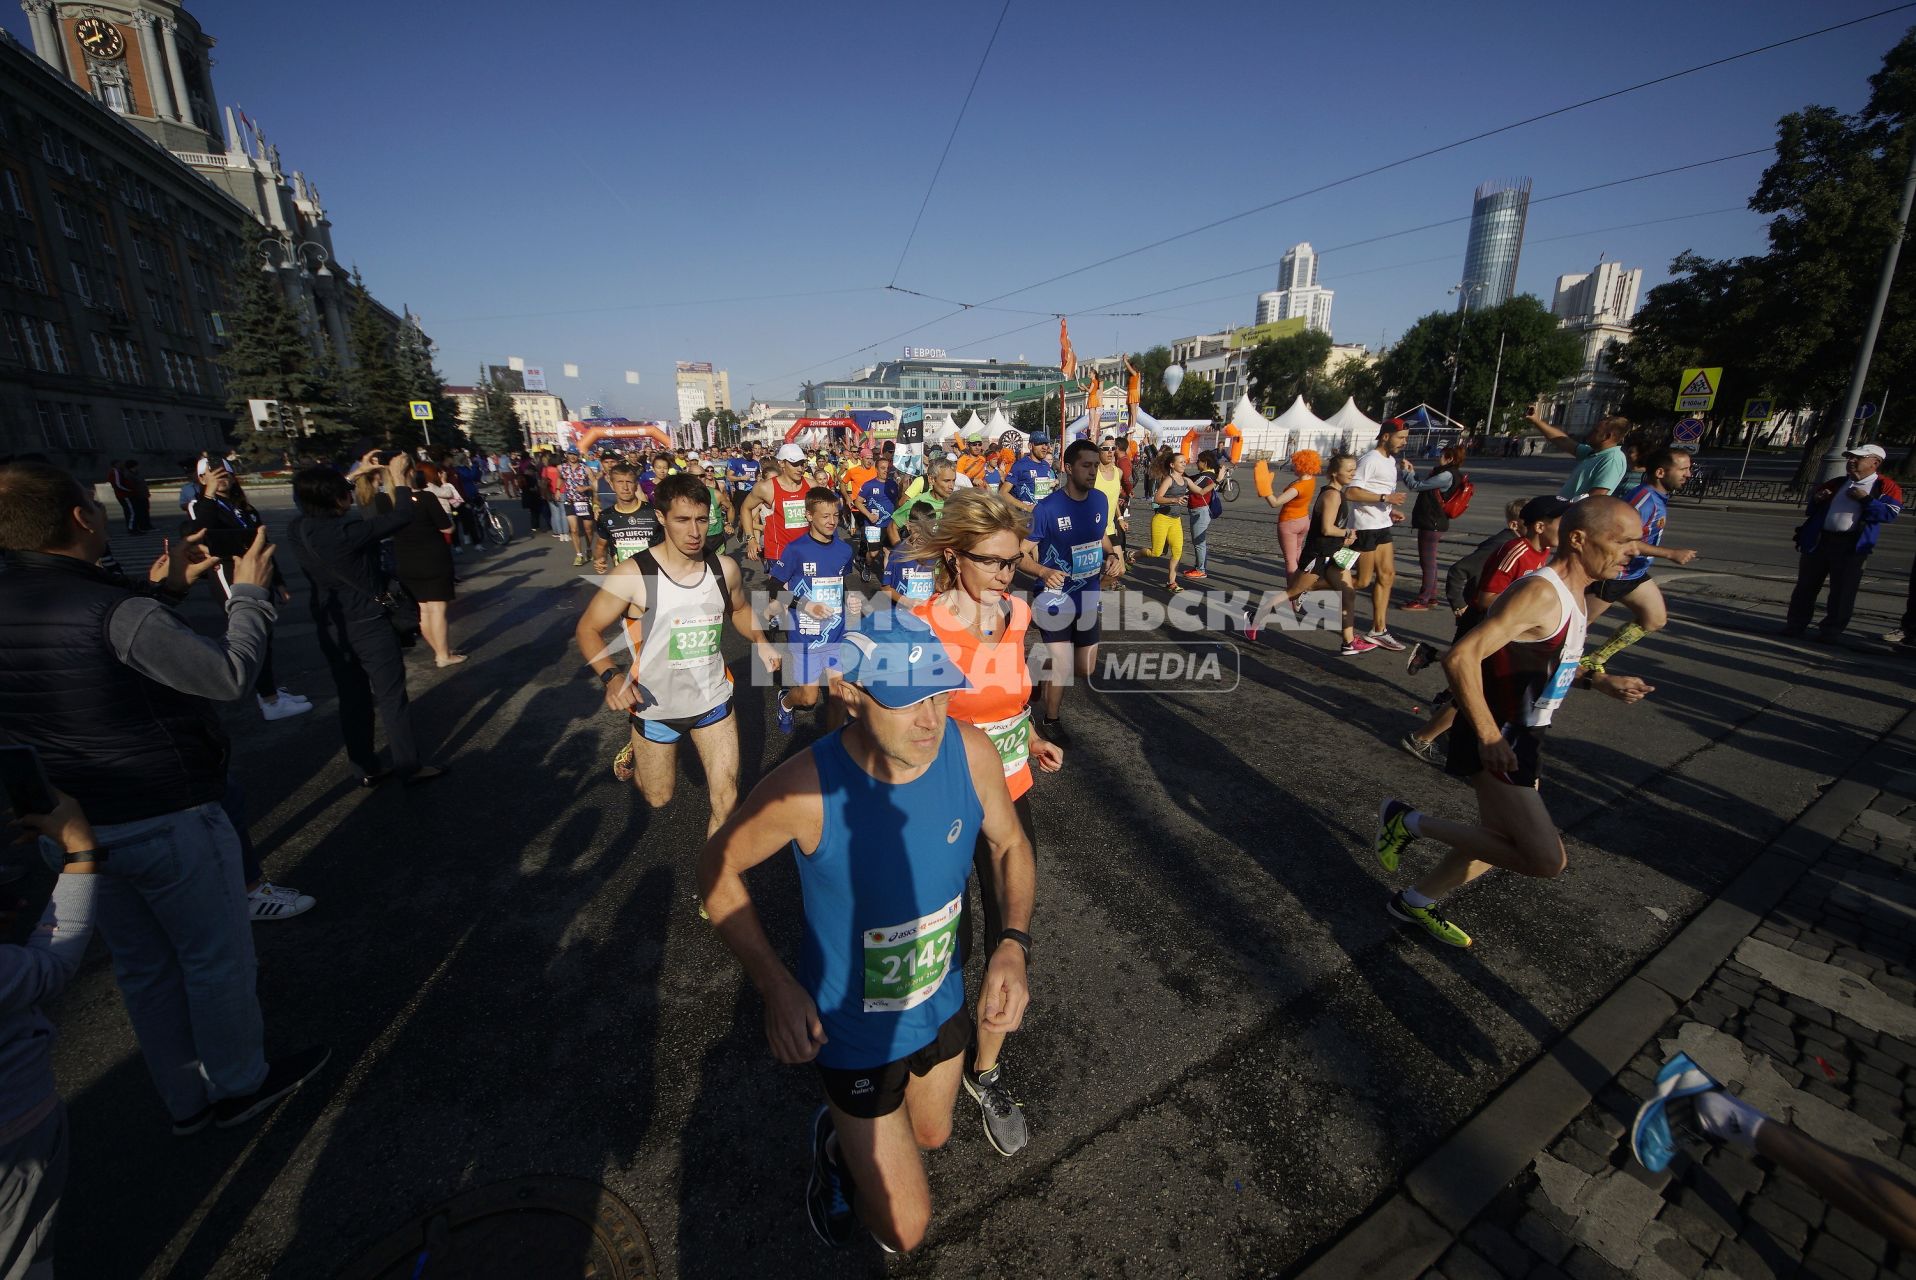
[146, 60]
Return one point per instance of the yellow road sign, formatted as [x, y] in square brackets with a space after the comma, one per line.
[421, 409]
[1696, 392]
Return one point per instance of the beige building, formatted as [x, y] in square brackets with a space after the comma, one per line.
[541, 413]
[700, 386]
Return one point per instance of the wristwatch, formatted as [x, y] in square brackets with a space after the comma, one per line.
[1020, 937]
[607, 676]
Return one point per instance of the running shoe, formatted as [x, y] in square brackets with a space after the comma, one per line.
[622, 764]
[283, 1075]
[1417, 606]
[1356, 645]
[787, 722]
[1432, 919]
[1393, 831]
[577, 559]
[282, 708]
[1421, 656]
[1425, 751]
[194, 1123]
[828, 1195]
[1385, 640]
[1894, 637]
[1650, 1138]
[1004, 1118]
[1196, 573]
[277, 902]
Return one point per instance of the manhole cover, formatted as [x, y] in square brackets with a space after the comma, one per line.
[540, 1226]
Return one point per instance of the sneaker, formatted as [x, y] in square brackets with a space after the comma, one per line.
[283, 708]
[283, 1075]
[277, 902]
[194, 1123]
[828, 1195]
[623, 766]
[1385, 640]
[1004, 1118]
[787, 722]
[1416, 606]
[1356, 645]
[577, 559]
[1650, 1139]
[1195, 573]
[1895, 637]
[296, 697]
[1393, 831]
[1433, 920]
[1421, 656]
[1425, 751]
[1054, 731]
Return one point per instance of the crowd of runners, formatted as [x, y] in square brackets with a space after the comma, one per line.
[927, 614]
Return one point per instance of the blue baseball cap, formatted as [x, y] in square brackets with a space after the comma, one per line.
[1039, 437]
[896, 658]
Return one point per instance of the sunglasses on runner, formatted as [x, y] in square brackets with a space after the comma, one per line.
[997, 564]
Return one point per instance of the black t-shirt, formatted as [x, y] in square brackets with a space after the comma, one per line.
[629, 532]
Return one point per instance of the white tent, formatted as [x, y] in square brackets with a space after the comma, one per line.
[966, 423]
[1352, 419]
[1298, 428]
[1254, 426]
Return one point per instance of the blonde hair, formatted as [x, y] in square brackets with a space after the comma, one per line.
[970, 516]
[366, 485]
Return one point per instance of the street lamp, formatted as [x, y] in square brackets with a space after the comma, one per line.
[1466, 288]
[272, 246]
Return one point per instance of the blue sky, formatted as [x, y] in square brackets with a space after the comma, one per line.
[579, 181]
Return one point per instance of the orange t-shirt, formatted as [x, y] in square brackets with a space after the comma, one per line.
[855, 477]
[972, 467]
[1000, 693]
[1300, 506]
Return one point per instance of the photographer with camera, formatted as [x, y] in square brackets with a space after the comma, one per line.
[117, 696]
[362, 623]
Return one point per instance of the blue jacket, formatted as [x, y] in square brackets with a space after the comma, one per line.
[1878, 511]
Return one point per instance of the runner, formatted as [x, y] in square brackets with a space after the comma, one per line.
[742, 474]
[671, 602]
[873, 503]
[1031, 476]
[1461, 580]
[975, 549]
[1374, 498]
[1112, 481]
[882, 818]
[575, 496]
[1664, 472]
[1328, 556]
[1170, 496]
[938, 484]
[628, 526]
[774, 509]
[1509, 675]
[908, 581]
[811, 569]
[721, 515]
[1526, 551]
[1070, 550]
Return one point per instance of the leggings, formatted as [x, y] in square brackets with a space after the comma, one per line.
[1290, 536]
[1427, 540]
[1167, 530]
[1200, 526]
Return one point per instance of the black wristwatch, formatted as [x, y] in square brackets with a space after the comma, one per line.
[1020, 937]
[607, 676]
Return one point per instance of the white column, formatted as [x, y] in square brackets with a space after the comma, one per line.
[46, 33]
[182, 105]
[156, 86]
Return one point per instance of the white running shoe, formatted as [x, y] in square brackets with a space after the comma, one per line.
[283, 708]
[1385, 640]
[276, 902]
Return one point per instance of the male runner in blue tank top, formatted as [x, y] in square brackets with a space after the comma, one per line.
[881, 817]
[1508, 675]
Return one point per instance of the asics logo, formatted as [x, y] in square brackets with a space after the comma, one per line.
[957, 828]
[916, 651]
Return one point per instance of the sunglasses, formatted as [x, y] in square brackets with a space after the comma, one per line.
[996, 564]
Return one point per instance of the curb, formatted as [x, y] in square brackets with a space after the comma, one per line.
[1406, 1234]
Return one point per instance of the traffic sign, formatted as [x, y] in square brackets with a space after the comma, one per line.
[1688, 434]
[1757, 411]
[422, 409]
[1697, 390]
[1864, 412]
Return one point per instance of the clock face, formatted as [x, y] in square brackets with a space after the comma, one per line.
[99, 37]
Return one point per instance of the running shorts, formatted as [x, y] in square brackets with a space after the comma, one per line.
[1371, 540]
[1463, 760]
[805, 665]
[1081, 626]
[870, 1092]
[669, 731]
[1612, 590]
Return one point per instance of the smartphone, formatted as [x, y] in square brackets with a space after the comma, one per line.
[225, 543]
[28, 790]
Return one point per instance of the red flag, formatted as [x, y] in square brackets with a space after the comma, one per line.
[1066, 356]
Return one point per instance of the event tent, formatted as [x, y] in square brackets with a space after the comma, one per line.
[1352, 419]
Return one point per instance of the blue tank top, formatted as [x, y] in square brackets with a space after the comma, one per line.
[883, 893]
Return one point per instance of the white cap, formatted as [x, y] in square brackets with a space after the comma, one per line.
[691, 457]
[1866, 451]
[789, 452]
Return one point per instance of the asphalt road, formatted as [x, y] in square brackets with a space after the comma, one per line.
[1231, 1050]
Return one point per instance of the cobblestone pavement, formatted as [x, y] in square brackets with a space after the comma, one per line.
[1813, 1020]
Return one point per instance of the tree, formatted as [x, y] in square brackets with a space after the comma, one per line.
[1195, 399]
[1279, 371]
[495, 425]
[1358, 380]
[269, 357]
[423, 382]
[1033, 416]
[1152, 397]
[727, 423]
[376, 388]
[1538, 353]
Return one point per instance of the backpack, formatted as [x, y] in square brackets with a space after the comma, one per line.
[1457, 501]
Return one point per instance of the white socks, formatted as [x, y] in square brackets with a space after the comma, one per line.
[1729, 1118]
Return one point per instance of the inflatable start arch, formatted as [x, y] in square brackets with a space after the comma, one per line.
[587, 434]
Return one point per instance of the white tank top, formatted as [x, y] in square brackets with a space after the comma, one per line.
[1558, 655]
[681, 672]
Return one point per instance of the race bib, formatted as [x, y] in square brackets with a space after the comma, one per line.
[1041, 486]
[829, 592]
[1012, 737]
[793, 509]
[918, 585]
[905, 964]
[1087, 561]
[693, 641]
[1553, 694]
[871, 534]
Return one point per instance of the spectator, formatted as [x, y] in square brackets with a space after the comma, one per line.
[228, 518]
[117, 695]
[142, 494]
[189, 483]
[1834, 542]
[116, 479]
[422, 559]
[1429, 518]
[340, 554]
[1601, 462]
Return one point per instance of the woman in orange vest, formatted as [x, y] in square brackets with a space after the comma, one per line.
[975, 548]
[1293, 505]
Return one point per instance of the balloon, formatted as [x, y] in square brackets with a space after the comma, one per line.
[1173, 377]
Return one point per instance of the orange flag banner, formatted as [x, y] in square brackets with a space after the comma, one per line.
[1066, 356]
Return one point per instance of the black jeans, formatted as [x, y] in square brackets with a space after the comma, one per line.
[1835, 559]
[369, 670]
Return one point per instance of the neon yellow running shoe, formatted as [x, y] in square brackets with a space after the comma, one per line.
[623, 766]
[1393, 832]
[1433, 920]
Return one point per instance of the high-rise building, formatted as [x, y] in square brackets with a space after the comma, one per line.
[1607, 295]
[1496, 239]
[702, 387]
[1298, 295]
[1597, 306]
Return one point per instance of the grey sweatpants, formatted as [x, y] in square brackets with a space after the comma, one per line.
[33, 1172]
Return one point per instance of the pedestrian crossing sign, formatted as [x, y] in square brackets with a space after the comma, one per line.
[1697, 390]
[421, 409]
[1756, 411]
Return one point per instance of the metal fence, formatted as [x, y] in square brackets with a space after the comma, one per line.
[1709, 482]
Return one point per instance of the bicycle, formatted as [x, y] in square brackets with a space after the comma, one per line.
[494, 529]
[1227, 484]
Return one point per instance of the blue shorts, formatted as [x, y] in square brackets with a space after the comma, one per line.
[670, 731]
[807, 665]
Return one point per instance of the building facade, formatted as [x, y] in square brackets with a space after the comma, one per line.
[1497, 216]
[943, 383]
[1298, 295]
[700, 386]
[541, 413]
[1598, 306]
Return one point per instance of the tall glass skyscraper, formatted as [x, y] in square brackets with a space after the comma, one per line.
[1496, 238]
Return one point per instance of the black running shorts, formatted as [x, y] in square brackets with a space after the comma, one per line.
[1611, 590]
[1463, 760]
[870, 1092]
[1371, 540]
